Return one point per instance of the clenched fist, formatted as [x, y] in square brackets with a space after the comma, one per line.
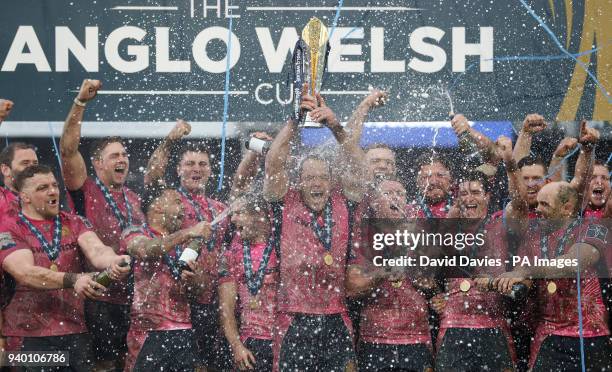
[88, 90]
[181, 129]
[565, 146]
[534, 123]
[376, 98]
[5, 108]
[588, 136]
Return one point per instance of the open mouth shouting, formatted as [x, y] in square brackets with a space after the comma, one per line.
[598, 195]
[121, 169]
[598, 191]
[317, 194]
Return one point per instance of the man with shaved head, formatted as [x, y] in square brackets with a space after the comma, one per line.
[560, 236]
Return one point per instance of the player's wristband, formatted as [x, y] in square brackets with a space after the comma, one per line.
[69, 280]
[80, 103]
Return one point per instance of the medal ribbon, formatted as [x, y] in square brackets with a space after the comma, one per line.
[210, 244]
[562, 241]
[254, 281]
[427, 210]
[171, 262]
[324, 234]
[52, 250]
[113, 204]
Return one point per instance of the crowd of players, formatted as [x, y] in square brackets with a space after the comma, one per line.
[282, 283]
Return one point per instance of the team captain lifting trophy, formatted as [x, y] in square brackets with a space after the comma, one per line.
[309, 61]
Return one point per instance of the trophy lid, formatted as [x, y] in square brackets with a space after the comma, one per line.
[315, 33]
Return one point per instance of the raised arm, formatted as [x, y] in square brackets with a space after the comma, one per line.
[461, 125]
[352, 157]
[248, 168]
[516, 210]
[533, 123]
[557, 164]
[147, 248]
[584, 165]
[20, 264]
[73, 165]
[354, 126]
[276, 179]
[156, 167]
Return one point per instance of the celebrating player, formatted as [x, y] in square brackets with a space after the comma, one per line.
[394, 329]
[160, 336]
[194, 170]
[250, 273]
[111, 206]
[47, 309]
[314, 330]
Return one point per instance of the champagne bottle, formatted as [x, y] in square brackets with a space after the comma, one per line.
[258, 145]
[518, 292]
[104, 278]
[467, 145]
[191, 253]
[469, 148]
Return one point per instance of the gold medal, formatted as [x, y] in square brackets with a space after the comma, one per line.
[397, 284]
[551, 287]
[328, 259]
[465, 286]
[53, 267]
[254, 304]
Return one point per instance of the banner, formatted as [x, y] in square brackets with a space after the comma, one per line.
[160, 59]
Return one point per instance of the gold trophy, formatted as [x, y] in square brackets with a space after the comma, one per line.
[309, 61]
